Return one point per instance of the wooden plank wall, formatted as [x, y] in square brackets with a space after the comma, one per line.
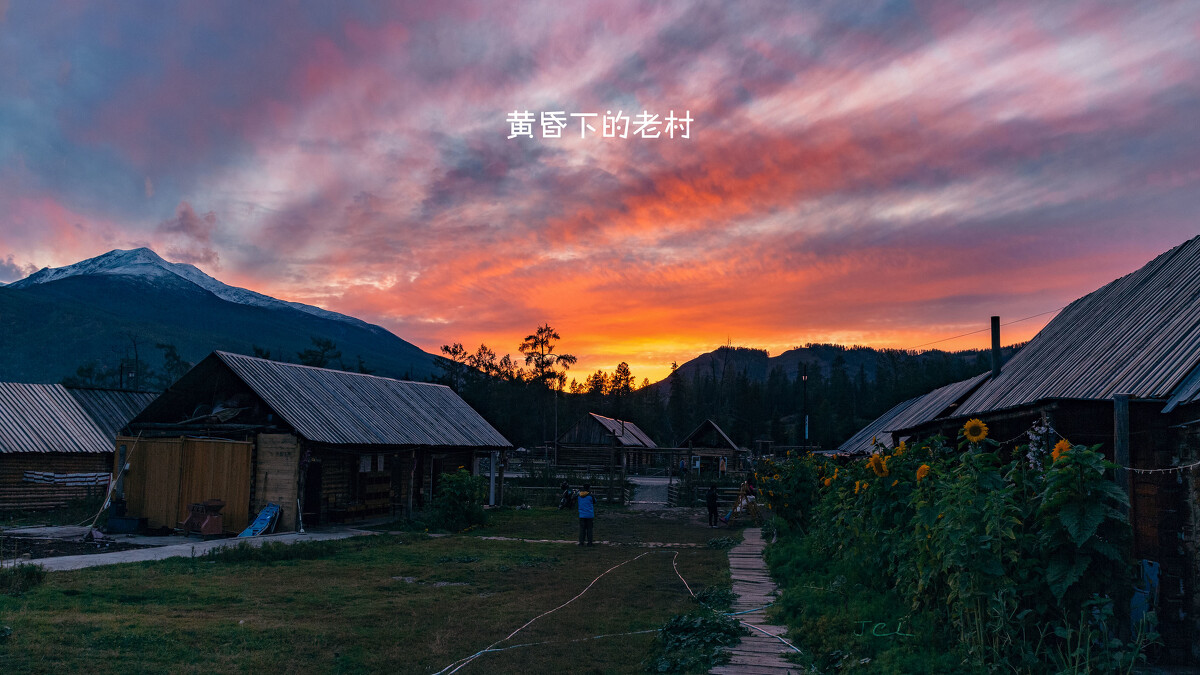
[17, 495]
[152, 482]
[276, 477]
[168, 474]
[215, 469]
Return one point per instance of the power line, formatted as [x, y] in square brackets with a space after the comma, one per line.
[984, 330]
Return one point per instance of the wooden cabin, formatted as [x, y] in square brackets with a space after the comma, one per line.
[711, 452]
[1119, 367]
[339, 446]
[56, 443]
[603, 442]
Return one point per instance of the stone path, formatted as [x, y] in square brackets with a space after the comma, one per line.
[759, 652]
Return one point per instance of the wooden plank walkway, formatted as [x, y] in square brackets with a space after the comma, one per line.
[758, 654]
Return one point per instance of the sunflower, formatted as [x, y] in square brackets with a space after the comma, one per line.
[828, 481]
[878, 464]
[1060, 448]
[901, 449]
[895, 482]
[857, 485]
[922, 471]
[975, 430]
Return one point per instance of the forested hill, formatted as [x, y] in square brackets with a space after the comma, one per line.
[754, 396]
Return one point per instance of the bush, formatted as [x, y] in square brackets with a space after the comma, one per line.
[694, 643]
[459, 501]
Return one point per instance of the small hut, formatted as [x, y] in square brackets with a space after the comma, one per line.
[339, 446]
[604, 443]
[712, 452]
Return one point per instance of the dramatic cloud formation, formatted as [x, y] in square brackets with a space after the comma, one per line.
[886, 175]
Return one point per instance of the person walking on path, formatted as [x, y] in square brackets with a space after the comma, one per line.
[587, 513]
[710, 500]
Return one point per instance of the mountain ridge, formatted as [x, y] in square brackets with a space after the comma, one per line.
[145, 262]
[104, 312]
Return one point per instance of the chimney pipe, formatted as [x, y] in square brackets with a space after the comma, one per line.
[995, 346]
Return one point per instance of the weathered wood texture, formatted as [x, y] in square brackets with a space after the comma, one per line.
[168, 474]
[757, 654]
[16, 494]
[277, 460]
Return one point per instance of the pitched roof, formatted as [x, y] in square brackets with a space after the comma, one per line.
[935, 404]
[1138, 335]
[45, 418]
[864, 440]
[111, 409]
[627, 433]
[911, 413]
[336, 407]
[709, 424]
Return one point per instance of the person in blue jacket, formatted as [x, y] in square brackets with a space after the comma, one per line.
[587, 513]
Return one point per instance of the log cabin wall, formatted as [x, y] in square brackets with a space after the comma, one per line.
[19, 494]
[1189, 453]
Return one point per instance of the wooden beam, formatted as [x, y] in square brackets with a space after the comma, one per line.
[1121, 441]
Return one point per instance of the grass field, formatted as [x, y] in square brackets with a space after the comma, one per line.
[386, 603]
[618, 525]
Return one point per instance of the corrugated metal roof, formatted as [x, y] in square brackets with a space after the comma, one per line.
[864, 440]
[45, 418]
[331, 406]
[1138, 335]
[627, 433]
[934, 404]
[111, 409]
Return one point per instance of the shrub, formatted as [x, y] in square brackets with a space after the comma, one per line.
[694, 643]
[459, 501]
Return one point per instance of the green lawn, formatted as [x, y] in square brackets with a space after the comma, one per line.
[618, 525]
[371, 604]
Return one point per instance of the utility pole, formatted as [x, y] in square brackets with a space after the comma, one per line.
[804, 387]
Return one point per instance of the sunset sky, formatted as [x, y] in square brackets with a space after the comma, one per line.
[886, 175]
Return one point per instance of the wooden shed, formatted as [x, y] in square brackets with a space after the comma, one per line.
[343, 446]
[599, 441]
[56, 443]
[708, 444]
[1119, 367]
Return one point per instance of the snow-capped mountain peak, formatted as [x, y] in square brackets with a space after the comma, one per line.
[145, 263]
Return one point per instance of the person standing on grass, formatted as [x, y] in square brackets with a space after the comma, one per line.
[587, 513]
[710, 500]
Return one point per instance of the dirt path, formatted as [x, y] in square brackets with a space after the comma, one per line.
[649, 496]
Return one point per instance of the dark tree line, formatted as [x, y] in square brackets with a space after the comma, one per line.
[532, 407]
[135, 367]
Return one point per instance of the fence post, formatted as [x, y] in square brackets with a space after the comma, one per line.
[1121, 442]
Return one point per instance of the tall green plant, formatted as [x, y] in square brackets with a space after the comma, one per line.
[1084, 530]
[458, 503]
